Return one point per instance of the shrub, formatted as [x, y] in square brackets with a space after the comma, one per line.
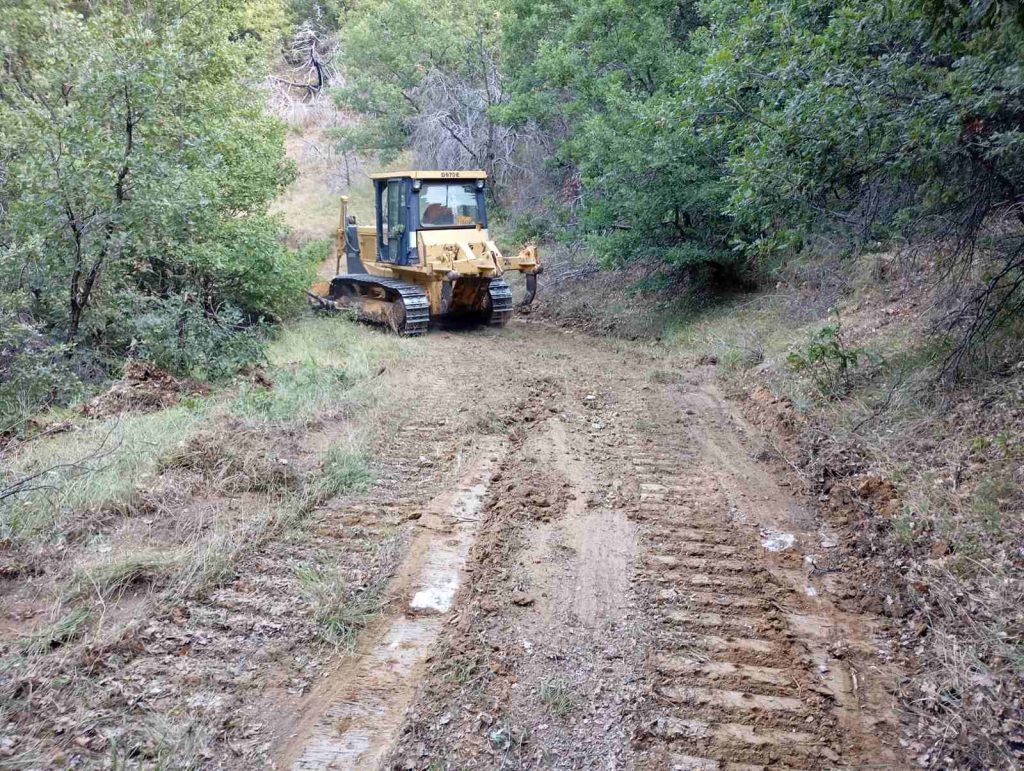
[828, 360]
[34, 373]
[177, 335]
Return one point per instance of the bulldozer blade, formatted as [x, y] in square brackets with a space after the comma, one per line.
[531, 290]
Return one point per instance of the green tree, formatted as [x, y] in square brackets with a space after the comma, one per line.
[426, 76]
[138, 163]
[614, 81]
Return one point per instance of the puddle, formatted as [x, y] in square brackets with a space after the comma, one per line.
[469, 502]
[357, 728]
[440, 576]
[773, 540]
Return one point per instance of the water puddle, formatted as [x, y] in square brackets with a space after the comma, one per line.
[441, 574]
[358, 726]
[774, 540]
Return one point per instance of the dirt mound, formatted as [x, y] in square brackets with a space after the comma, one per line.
[143, 387]
[236, 458]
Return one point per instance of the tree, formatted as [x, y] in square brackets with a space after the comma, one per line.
[614, 82]
[138, 164]
[427, 76]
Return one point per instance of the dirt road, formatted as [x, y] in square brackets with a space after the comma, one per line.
[605, 577]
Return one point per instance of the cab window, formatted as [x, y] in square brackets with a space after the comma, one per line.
[447, 204]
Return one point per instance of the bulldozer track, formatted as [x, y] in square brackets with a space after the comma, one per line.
[726, 687]
[413, 298]
[742, 667]
[501, 302]
[620, 606]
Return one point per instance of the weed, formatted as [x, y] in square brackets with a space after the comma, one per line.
[553, 355]
[558, 697]
[993, 500]
[827, 359]
[338, 614]
[903, 526]
[461, 669]
[159, 742]
[343, 469]
[665, 376]
[111, 579]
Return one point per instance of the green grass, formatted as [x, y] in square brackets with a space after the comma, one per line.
[558, 697]
[339, 614]
[102, 465]
[314, 364]
[317, 365]
[741, 334]
[68, 628]
[344, 469]
[333, 342]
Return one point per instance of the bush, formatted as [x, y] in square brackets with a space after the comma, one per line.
[178, 336]
[34, 373]
[828, 360]
[134, 218]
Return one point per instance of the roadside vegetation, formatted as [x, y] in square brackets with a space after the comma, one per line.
[137, 520]
[137, 164]
[923, 483]
[718, 141]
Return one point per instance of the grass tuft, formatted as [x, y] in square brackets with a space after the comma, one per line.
[339, 613]
[110, 580]
[67, 629]
[344, 469]
[558, 697]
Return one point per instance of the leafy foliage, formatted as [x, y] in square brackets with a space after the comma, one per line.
[828, 359]
[728, 131]
[137, 162]
[35, 373]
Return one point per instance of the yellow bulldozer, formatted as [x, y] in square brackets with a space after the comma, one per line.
[428, 256]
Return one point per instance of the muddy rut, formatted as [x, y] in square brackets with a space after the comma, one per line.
[608, 579]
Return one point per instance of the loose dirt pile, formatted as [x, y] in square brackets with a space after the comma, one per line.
[143, 387]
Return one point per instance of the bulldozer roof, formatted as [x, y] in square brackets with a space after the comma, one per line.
[473, 174]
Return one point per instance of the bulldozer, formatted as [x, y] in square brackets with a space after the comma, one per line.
[427, 257]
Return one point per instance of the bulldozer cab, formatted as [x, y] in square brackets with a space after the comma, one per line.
[408, 202]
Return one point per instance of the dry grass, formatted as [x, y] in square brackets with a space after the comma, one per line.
[164, 742]
[311, 207]
[232, 458]
[109, 580]
[66, 629]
